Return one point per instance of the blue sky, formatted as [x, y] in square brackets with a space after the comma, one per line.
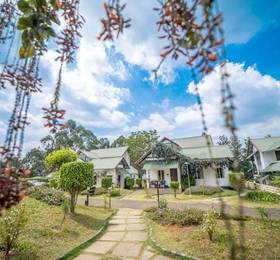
[110, 89]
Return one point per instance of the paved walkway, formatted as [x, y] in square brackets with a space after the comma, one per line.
[137, 204]
[125, 239]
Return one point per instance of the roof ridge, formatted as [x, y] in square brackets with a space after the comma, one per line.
[188, 137]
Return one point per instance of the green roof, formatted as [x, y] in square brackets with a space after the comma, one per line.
[218, 152]
[272, 167]
[106, 153]
[158, 165]
[266, 144]
[191, 142]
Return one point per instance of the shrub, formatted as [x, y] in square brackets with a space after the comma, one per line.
[115, 193]
[175, 186]
[54, 181]
[106, 183]
[74, 178]
[139, 182]
[45, 194]
[129, 183]
[262, 196]
[237, 180]
[12, 224]
[57, 158]
[151, 209]
[210, 223]
[206, 190]
[276, 181]
[162, 203]
[170, 216]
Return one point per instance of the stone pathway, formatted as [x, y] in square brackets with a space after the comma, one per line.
[125, 239]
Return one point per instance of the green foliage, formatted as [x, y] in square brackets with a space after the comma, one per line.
[185, 181]
[204, 190]
[139, 182]
[115, 193]
[276, 181]
[175, 186]
[210, 223]
[129, 183]
[74, 178]
[263, 196]
[59, 157]
[34, 161]
[36, 23]
[170, 216]
[55, 180]
[99, 191]
[45, 194]
[162, 203]
[237, 180]
[12, 224]
[106, 183]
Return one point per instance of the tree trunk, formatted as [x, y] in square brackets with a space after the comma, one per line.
[72, 202]
[175, 193]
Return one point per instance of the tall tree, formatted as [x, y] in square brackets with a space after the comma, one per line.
[119, 142]
[103, 143]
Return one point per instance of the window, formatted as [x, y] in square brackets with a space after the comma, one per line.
[198, 173]
[161, 175]
[220, 173]
[277, 153]
[173, 174]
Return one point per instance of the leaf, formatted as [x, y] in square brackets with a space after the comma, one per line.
[26, 52]
[24, 23]
[23, 6]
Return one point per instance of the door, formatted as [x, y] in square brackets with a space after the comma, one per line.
[174, 174]
[161, 175]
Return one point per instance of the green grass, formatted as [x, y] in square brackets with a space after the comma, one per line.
[262, 240]
[44, 239]
[252, 204]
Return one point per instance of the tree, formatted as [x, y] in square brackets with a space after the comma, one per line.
[34, 160]
[119, 142]
[59, 157]
[103, 143]
[74, 178]
[139, 142]
[106, 183]
[175, 186]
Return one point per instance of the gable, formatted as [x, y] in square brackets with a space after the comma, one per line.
[106, 153]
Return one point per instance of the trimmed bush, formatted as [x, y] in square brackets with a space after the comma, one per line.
[45, 194]
[206, 190]
[139, 182]
[129, 183]
[170, 216]
[74, 178]
[276, 181]
[263, 196]
[162, 203]
[237, 180]
[106, 183]
[115, 193]
[175, 186]
[59, 157]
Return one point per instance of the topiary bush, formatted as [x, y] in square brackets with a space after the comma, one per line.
[263, 196]
[163, 203]
[175, 186]
[45, 194]
[74, 178]
[57, 158]
[206, 190]
[129, 183]
[170, 216]
[237, 180]
[106, 183]
[139, 182]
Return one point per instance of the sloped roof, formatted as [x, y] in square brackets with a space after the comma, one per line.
[106, 163]
[272, 167]
[266, 144]
[190, 142]
[218, 152]
[106, 153]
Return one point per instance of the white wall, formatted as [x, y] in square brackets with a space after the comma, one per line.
[105, 173]
[210, 178]
[153, 176]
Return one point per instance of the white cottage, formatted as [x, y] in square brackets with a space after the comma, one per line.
[266, 156]
[189, 155]
[110, 162]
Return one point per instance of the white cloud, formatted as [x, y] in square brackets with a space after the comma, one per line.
[257, 100]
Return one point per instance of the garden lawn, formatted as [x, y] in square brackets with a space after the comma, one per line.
[262, 240]
[44, 236]
[233, 201]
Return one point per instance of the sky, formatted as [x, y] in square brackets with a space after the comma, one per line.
[110, 88]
